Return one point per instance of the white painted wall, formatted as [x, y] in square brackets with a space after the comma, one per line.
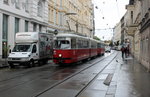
[117, 33]
[11, 31]
[31, 16]
[1, 18]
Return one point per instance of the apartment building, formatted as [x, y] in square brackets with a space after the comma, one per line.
[73, 15]
[117, 34]
[20, 15]
[132, 26]
[145, 33]
[138, 27]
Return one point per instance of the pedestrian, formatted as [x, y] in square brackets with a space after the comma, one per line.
[123, 51]
[128, 50]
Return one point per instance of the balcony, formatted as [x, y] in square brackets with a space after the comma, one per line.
[131, 29]
[130, 7]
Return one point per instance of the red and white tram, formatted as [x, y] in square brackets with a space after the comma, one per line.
[100, 48]
[71, 48]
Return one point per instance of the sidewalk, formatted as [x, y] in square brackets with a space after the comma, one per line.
[3, 62]
[129, 79]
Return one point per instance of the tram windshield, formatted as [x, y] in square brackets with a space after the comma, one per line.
[62, 44]
[22, 48]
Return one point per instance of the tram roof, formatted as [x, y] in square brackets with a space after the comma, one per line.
[78, 36]
[70, 35]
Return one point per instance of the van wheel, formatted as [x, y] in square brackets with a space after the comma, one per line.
[31, 63]
[11, 65]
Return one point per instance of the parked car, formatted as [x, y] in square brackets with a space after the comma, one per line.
[107, 49]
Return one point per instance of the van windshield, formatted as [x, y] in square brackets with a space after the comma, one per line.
[62, 44]
[22, 48]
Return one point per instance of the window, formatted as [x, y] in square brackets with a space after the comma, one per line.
[52, 15]
[62, 44]
[5, 27]
[49, 14]
[56, 18]
[5, 1]
[4, 37]
[34, 49]
[34, 27]
[22, 48]
[131, 16]
[73, 43]
[26, 26]
[60, 20]
[27, 5]
[40, 28]
[17, 3]
[40, 9]
[60, 3]
[16, 25]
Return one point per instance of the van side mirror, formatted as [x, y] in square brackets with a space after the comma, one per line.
[10, 51]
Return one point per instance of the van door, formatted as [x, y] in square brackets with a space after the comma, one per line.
[34, 52]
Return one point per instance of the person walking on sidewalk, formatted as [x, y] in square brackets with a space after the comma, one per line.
[123, 51]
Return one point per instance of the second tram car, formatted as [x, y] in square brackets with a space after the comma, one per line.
[100, 48]
[71, 48]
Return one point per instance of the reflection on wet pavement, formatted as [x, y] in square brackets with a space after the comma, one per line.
[133, 80]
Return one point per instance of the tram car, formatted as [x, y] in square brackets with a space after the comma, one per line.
[71, 48]
[100, 48]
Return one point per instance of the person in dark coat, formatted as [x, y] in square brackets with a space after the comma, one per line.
[123, 51]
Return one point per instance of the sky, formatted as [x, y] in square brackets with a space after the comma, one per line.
[107, 14]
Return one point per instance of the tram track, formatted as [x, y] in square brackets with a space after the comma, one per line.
[94, 78]
[25, 73]
[32, 70]
[39, 75]
[60, 82]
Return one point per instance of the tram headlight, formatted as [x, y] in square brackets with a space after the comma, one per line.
[60, 55]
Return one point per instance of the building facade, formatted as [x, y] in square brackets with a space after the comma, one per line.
[117, 34]
[20, 16]
[138, 27]
[133, 25]
[145, 33]
[43, 16]
[73, 15]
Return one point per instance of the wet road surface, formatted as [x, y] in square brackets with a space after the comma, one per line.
[106, 76]
[29, 82]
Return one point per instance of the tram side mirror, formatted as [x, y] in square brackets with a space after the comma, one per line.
[55, 32]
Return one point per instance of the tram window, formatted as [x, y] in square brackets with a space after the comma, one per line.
[62, 44]
[93, 45]
[73, 43]
[85, 44]
[79, 43]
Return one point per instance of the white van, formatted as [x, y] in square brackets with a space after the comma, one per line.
[31, 47]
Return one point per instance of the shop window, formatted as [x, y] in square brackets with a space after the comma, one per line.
[6, 1]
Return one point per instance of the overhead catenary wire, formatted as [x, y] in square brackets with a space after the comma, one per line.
[105, 29]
